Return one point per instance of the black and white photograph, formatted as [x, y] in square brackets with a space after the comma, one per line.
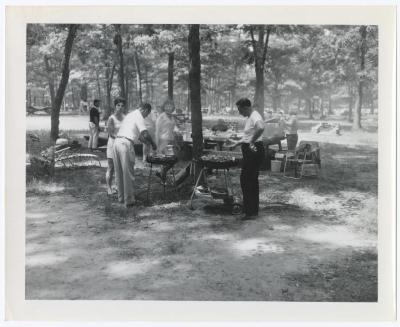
[185, 163]
[201, 162]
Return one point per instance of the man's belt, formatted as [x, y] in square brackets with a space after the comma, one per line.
[126, 138]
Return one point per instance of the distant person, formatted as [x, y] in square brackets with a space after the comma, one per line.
[166, 128]
[94, 128]
[83, 105]
[291, 131]
[253, 156]
[132, 130]
[113, 125]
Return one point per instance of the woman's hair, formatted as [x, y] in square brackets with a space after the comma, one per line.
[167, 102]
[119, 100]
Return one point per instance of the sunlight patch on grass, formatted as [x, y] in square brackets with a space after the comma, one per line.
[171, 205]
[335, 236]
[128, 269]
[256, 245]
[45, 259]
[349, 138]
[218, 237]
[282, 227]
[38, 186]
[162, 226]
[307, 199]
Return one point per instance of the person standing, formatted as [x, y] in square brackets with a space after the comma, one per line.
[253, 154]
[291, 135]
[113, 125]
[165, 133]
[94, 121]
[132, 130]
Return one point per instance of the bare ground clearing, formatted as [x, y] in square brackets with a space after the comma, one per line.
[315, 239]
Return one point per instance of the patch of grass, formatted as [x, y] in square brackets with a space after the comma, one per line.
[43, 187]
[351, 279]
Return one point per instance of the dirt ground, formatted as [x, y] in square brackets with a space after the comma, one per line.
[315, 238]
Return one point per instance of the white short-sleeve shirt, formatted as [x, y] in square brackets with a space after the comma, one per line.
[132, 125]
[250, 126]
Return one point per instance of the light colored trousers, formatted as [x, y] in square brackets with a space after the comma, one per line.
[93, 136]
[124, 164]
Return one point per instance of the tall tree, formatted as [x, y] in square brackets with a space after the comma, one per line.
[195, 91]
[50, 77]
[121, 67]
[55, 113]
[171, 75]
[359, 102]
[260, 47]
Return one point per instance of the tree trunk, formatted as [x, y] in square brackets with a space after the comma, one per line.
[50, 79]
[350, 92]
[298, 104]
[359, 102]
[127, 87]
[55, 113]
[83, 92]
[171, 76]
[322, 108]
[28, 97]
[146, 80]
[260, 51]
[109, 80]
[310, 104]
[274, 104]
[195, 94]
[330, 112]
[233, 89]
[98, 86]
[259, 95]
[151, 90]
[372, 109]
[121, 77]
[138, 77]
[75, 102]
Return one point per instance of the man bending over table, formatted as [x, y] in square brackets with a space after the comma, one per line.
[132, 129]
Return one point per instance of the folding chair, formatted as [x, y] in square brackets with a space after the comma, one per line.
[305, 161]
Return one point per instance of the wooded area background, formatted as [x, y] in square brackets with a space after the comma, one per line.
[311, 68]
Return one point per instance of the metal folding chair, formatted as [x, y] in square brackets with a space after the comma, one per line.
[305, 161]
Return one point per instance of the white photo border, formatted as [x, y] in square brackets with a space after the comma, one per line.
[17, 308]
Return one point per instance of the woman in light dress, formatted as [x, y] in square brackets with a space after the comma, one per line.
[113, 125]
[165, 132]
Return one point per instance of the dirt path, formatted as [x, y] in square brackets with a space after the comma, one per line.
[290, 253]
[315, 239]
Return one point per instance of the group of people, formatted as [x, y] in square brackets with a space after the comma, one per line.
[140, 125]
[158, 134]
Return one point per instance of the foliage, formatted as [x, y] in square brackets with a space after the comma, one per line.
[303, 62]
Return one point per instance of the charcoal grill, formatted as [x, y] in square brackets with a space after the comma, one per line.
[222, 161]
[162, 160]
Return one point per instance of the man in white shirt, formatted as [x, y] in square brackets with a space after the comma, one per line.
[132, 129]
[253, 154]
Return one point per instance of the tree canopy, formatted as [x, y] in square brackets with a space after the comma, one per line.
[281, 67]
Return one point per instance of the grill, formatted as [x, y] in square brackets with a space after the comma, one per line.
[162, 159]
[221, 159]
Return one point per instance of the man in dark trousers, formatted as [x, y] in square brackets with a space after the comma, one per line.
[253, 154]
[94, 121]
